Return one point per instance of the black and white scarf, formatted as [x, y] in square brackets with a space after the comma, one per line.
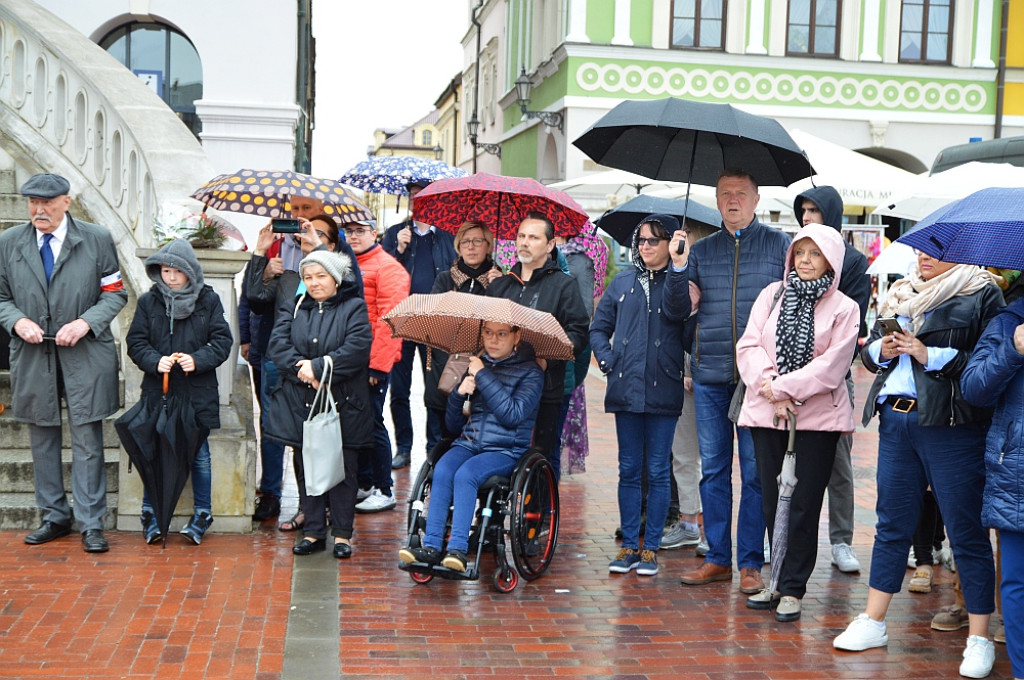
[794, 333]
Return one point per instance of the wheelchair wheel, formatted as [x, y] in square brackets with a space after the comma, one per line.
[533, 525]
[420, 577]
[419, 495]
[505, 580]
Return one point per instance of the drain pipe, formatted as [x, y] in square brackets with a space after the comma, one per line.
[476, 76]
[1004, 21]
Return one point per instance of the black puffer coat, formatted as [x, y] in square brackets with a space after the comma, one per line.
[205, 334]
[340, 327]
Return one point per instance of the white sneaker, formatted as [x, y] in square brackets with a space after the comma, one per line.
[363, 494]
[843, 558]
[376, 502]
[945, 558]
[702, 548]
[979, 656]
[861, 634]
[911, 560]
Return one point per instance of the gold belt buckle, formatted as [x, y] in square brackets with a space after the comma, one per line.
[900, 402]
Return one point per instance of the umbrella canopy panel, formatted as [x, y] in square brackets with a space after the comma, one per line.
[451, 322]
[659, 138]
[391, 174]
[621, 222]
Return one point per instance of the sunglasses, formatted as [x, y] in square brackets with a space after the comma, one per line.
[653, 241]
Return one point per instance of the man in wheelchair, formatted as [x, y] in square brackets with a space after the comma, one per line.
[503, 389]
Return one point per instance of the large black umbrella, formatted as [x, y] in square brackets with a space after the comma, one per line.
[688, 141]
[620, 222]
[161, 437]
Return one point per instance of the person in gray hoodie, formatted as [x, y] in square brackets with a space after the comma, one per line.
[823, 205]
[179, 329]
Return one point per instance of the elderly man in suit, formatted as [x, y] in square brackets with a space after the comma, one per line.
[60, 288]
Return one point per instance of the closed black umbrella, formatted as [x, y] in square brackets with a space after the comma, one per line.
[161, 437]
[620, 222]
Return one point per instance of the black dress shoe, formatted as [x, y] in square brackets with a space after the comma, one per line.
[342, 551]
[266, 507]
[308, 546]
[47, 532]
[93, 541]
[401, 460]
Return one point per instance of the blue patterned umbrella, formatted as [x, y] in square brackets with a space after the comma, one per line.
[985, 228]
[390, 174]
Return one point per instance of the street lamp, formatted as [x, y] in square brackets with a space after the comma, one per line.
[438, 152]
[552, 119]
[472, 128]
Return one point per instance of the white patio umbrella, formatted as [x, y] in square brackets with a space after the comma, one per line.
[896, 258]
[860, 180]
[928, 193]
[612, 182]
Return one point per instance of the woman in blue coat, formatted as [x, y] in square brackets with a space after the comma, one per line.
[995, 377]
[503, 387]
[638, 345]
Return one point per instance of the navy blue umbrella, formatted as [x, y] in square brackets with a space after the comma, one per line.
[985, 228]
[620, 222]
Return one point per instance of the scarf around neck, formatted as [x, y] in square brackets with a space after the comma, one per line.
[913, 295]
[794, 331]
[462, 272]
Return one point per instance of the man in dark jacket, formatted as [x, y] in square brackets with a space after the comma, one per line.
[823, 205]
[60, 289]
[536, 281]
[726, 272]
[424, 251]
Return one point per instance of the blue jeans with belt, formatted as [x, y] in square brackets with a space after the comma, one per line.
[951, 460]
[457, 478]
[715, 437]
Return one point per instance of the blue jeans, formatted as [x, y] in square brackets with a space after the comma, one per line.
[201, 481]
[375, 462]
[457, 477]
[401, 386]
[271, 452]
[1011, 548]
[952, 461]
[637, 431]
[715, 437]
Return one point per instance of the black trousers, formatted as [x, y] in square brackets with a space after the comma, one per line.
[815, 452]
[341, 499]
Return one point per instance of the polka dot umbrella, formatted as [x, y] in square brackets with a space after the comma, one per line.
[267, 193]
[451, 322]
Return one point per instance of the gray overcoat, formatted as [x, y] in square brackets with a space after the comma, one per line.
[90, 368]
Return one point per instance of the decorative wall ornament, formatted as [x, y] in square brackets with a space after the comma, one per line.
[783, 87]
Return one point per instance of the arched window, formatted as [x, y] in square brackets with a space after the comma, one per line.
[165, 60]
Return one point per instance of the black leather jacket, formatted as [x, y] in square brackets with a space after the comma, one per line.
[956, 323]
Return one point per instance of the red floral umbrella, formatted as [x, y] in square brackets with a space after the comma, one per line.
[499, 202]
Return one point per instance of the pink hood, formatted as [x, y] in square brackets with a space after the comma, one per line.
[820, 386]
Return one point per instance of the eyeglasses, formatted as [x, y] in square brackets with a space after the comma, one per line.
[649, 241]
[489, 334]
[358, 231]
[322, 234]
[475, 242]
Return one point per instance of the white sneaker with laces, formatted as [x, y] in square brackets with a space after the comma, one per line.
[363, 494]
[861, 634]
[944, 557]
[843, 558]
[979, 656]
[376, 502]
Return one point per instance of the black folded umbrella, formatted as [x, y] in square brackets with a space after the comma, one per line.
[161, 437]
[620, 222]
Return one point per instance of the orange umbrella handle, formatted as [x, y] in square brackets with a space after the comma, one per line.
[167, 378]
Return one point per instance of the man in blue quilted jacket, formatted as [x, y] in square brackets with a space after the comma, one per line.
[725, 272]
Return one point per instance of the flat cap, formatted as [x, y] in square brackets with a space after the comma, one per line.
[45, 185]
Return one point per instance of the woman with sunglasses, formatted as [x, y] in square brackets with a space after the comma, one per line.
[637, 342]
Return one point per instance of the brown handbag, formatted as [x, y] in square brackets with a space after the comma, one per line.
[453, 373]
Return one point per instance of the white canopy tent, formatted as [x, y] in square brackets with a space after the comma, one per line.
[928, 193]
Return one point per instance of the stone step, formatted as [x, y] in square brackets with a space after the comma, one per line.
[8, 184]
[13, 207]
[14, 434]
[5, 392]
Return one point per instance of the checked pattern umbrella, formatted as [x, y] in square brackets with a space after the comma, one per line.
[267, 193]
[391, 174]
[451, 322]
[499, 202]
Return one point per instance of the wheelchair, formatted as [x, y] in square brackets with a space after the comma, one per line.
[519, 512]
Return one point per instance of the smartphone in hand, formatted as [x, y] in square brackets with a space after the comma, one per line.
[889, 326]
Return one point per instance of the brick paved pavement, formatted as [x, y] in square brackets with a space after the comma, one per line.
[220, 610]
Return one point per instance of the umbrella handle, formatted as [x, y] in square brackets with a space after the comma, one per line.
[792, 427]
[167, 379]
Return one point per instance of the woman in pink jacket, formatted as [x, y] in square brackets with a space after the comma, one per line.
[793, 356]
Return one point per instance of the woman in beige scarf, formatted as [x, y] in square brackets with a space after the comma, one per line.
[928, 435]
